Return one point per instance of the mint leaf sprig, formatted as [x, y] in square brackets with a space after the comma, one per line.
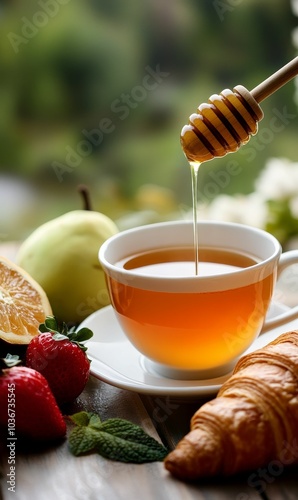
[115, 439]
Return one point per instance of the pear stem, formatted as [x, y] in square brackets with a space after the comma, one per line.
[85, 193]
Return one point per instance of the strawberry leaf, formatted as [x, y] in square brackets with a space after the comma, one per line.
[50, 324]
[62, 332]
[10, 360]
[115, 439]
[83, 334]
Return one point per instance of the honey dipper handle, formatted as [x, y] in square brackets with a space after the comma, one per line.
[275, 81]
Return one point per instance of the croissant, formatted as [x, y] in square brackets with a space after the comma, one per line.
[252, 421]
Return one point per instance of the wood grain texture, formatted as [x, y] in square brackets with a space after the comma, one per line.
[53, 473]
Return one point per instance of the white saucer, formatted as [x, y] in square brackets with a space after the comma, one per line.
[115, 361]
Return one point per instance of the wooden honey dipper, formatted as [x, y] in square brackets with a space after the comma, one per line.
[229, 119]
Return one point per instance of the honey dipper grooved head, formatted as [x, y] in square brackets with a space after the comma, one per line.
[222, 125]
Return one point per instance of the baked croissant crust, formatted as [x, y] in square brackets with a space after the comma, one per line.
[252, 421]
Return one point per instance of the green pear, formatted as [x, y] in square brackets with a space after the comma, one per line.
[62, 256]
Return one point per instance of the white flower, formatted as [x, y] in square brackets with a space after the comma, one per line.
[294, 5]
[245, 209]
[293, 204]
[295, 37]
[278, 180]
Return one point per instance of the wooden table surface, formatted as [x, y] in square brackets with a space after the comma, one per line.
[54, 473]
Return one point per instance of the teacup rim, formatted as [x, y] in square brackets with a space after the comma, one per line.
[216, 282]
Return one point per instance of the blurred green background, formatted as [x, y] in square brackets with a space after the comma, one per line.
[97, 91]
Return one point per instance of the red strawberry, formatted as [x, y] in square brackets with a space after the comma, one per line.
[58, 354]
[27, 406]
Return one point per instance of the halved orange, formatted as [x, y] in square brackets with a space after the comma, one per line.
[23, 304]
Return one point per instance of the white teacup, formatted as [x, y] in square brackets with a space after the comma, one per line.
[194, 326]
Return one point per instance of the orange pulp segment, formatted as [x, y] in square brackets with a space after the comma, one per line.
[23, 304]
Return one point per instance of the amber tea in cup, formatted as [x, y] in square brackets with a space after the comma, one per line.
[191, 325]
